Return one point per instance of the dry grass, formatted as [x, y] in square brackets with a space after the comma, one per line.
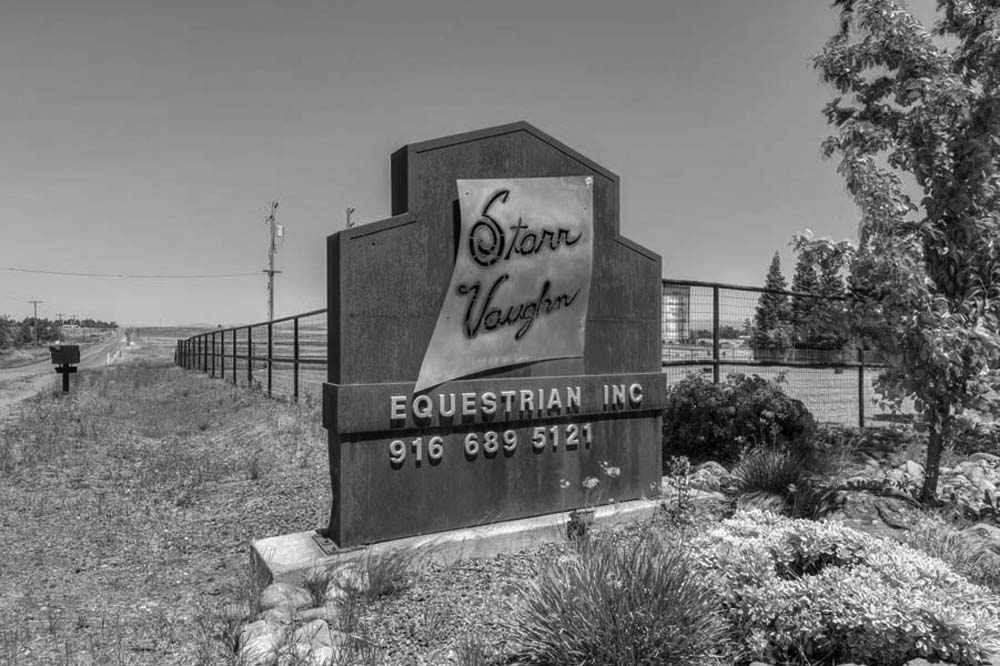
[128, 509]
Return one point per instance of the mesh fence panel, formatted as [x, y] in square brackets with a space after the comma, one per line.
[797, 349]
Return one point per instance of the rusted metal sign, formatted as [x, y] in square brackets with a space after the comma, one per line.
[521, 283]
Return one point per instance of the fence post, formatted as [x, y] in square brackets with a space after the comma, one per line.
[249, 356]
[204, 354]
[715, 334]
[213, 354]
[861, 388]
[222, 356]
[270, 354]
[295, 359]
[235, 383]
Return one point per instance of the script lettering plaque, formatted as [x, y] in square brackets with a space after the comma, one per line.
[521, 282]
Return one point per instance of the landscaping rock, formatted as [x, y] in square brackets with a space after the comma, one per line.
[278, 615]
[914, 469]
[984, 536]
[923, 662]
[880, 514]
[259, 644]
[334, 592]
[329, 612]
[314, 644]
[351, 577]
[987, 458]
[285, 594]
[710, 476]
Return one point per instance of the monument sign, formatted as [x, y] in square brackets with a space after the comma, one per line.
[494, 346]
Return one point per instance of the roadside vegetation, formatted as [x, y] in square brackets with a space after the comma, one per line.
[129, 506]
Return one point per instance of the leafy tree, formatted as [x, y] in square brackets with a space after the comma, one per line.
[804, 281]
[771, 320]
[921, 112]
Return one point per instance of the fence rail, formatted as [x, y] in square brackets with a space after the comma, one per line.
[284, 357]
[287, 357]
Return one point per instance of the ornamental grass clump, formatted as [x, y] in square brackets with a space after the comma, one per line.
[768, 470]
[618, 604]
[801, 592]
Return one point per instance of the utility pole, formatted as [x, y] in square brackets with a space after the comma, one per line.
[59, 330]
[275, 230]
[35, 325]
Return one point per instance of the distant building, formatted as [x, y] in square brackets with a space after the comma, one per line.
[676, 322]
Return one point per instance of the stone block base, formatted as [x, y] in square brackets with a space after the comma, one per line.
[288, 558]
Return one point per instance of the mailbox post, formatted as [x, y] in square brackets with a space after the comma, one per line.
[66, 357]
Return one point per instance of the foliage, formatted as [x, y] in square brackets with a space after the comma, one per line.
[976, 561]
[818, 271]
[703, 420]
[800, 592]
[15, 333]
[772, 330]
[618, 604]
[769, 470]
[925, 278]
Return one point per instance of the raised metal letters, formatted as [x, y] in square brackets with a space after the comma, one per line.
[521, 282]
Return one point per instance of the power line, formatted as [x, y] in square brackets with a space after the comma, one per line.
[173, 276]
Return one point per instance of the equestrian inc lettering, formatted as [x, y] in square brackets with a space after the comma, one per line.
[509, 405]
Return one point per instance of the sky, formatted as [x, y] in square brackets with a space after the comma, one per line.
[142, 137]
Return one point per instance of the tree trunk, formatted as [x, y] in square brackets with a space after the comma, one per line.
[939, 427]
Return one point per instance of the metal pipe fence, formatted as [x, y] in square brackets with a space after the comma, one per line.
[707, 329]
[283, 358]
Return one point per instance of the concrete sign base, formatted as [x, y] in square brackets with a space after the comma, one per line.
[289, 558]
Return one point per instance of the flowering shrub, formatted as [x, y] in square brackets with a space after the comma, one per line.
[703, 420]
[801, 592]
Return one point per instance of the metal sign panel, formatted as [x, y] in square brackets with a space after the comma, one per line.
[521, 282]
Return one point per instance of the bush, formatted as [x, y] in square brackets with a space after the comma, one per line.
[703, 420]
[976, 560]
[618, 605]
[800, 592]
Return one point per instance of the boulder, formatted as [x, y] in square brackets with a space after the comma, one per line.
[259, 644]
[914, 469]
[880, 514]
[710, 475]
[351, 578]
[328, 612]
[986, 458]
[285, 594]
[315, 644]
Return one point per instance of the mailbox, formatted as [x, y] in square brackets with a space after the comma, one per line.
[65, 354]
